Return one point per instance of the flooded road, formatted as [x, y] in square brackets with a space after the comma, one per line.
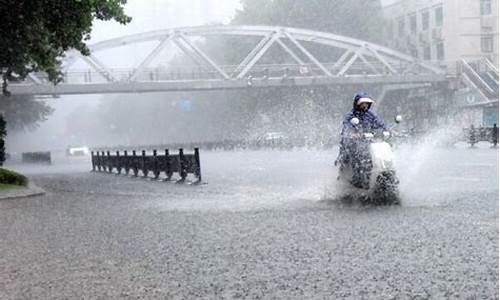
[265, 225]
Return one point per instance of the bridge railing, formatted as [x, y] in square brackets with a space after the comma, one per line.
[171, 73]
[154, 163]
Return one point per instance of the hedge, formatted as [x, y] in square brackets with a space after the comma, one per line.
[11, 177]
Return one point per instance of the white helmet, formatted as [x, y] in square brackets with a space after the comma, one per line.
[364, 100]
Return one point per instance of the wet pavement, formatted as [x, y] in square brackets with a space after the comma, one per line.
[264, 226]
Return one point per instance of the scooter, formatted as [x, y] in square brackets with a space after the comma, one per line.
[381, 186]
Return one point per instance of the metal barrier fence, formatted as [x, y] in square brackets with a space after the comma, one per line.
[36, 157]
[182, 164]
[473, 135]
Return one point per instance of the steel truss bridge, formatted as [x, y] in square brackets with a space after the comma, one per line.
[357, 62]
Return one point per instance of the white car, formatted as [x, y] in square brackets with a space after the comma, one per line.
[78, 151]
[272, 136]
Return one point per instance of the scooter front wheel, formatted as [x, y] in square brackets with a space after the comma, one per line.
[386, 189]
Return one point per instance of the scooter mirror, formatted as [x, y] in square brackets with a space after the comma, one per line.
[354, 121]
[398, 119]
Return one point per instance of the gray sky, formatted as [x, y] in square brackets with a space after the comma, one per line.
[162, 14]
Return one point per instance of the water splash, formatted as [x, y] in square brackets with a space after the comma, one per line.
[419, 164]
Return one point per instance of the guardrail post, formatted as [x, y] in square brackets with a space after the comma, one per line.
[182, 162]
[197, 171]
[156, 170]
[103, 161]
[472, 136]
[168, 165]
[93, 160]
[126, 162]
[118, 164]
[494, 133]
[144, 164]
[110, 162]
[98, 161]
[134, 163]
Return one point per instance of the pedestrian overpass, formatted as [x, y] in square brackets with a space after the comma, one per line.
[353, 62]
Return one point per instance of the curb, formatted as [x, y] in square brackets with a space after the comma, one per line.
[30, 191]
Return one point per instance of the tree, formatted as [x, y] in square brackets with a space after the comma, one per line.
[36, 33]
[356, 18]
[24, 112]
[3, 134]
[361, 19]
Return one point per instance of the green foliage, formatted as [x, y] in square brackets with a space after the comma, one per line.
[35, 34]
[356, 18]
[8, 187]
[361, 19]
[24, 112]
[11, 177]
[3, 134]
[3, 130]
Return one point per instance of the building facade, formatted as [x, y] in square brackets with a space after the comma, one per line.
[444, 31]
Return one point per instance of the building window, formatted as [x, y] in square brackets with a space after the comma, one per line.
[390, 30]
[438, 14]
[487, 43]
[413, 24]
[427, 53]
[440, 51]
[485, 7]
[401, 26]
[486, 29]
[425, 20]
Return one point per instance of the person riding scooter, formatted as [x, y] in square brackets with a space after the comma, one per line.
[352, 150]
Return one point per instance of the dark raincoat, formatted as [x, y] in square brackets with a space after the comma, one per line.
[368, 121]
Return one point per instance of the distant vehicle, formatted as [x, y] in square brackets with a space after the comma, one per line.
[274, 136]
[273, 139]
[77, 151]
